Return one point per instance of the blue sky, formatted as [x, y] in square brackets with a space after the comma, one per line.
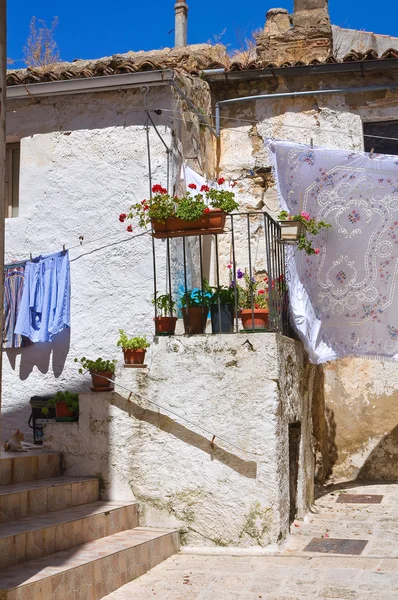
[99, 28]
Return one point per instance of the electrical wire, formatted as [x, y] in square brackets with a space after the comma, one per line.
[256, 122]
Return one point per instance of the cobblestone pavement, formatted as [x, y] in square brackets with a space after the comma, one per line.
[294, 574]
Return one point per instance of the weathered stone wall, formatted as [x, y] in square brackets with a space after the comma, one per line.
[247, 389]
[355, 417]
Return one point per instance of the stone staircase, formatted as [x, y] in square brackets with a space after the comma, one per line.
[59, 541]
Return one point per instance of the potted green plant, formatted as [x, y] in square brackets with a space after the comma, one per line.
[134, 348]
[165, 323]
[195, 308]
[101, 371]
[295, 228]
[192, 213]
[66, 406]
[222, 304]
[253, 300]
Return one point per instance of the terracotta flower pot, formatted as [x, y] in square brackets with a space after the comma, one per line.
[99, 383]
[214, 220]
[62, 410]
[260, 321]
[165, 325]
[195, 318]
[134, 357]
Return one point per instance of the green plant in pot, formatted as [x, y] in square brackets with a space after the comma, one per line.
[165, 322]
[134, 348]
[101, 371]
[222, 309]
[253, 300]
[195, 308]
[66, 406]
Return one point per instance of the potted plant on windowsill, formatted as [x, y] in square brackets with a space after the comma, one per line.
[195, 308]
[66, 406]
[195, 212]
[101, 372]
[295, 229]
[165, 324]
[134, 348]
[222, 304]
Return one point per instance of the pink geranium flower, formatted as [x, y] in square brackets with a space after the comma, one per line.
[305, 216]
[316, 250]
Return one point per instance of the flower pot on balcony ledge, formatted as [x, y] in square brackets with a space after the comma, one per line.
[195, 319]
[165, 325]
[212, 222]
[260, 320]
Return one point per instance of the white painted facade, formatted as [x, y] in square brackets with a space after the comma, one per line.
[245, 389]
[83, 162]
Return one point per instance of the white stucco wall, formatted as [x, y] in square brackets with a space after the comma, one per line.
[83, 161]
[247, 389]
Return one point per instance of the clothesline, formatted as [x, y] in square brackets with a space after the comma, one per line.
[22, 263]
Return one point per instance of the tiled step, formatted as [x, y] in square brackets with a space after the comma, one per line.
[16, 467]
[90, 571]
[32, 537]
[45, 495]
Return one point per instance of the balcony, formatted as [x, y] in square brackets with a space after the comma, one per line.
[228, 278]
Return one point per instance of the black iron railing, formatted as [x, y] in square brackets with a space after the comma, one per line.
[231, 276]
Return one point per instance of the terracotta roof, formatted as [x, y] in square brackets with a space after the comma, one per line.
[191, 59]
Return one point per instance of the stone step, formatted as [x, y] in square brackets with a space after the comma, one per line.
[36, 536]
[45, 495]
[90, 571]
[16, 467]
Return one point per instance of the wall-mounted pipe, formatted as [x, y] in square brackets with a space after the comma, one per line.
[359, 90]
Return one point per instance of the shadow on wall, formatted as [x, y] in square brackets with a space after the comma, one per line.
[39, 355]
[324, 430]
[382, 463]
[165, 423]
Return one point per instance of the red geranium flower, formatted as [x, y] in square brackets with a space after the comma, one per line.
[221, 180]
[205, 188]
[122, 217]
[206, 210]
[158, 189]
[261, 291]
[256, 306]
[129, 228]
[192, 186]
[146, 207]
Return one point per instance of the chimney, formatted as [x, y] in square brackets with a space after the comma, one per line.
[301, 37]
[310, 13]
[181, 18]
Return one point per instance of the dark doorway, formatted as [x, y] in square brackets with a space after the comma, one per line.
[294, 454]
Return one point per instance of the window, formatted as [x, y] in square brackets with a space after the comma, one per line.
[373, 132]
[12, 179]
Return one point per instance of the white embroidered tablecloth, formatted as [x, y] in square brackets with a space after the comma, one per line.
[345, 299]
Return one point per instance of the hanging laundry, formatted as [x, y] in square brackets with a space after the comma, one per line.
[343, 299]
[45, 304]
[14, 278]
